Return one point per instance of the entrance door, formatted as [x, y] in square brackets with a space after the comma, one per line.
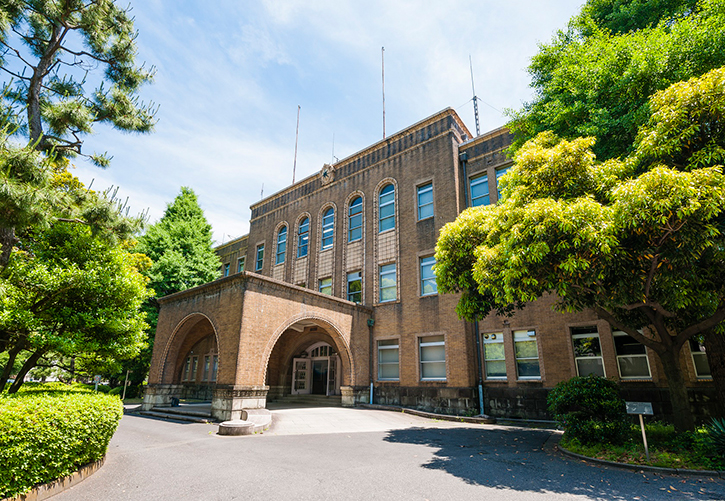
[319, 377]
[300, 376]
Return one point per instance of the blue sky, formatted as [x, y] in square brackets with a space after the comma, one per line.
[231, 74]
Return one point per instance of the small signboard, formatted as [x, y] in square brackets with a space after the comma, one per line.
[642, 408]
[97, 378]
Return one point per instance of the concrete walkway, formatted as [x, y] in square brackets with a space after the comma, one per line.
[334, 453]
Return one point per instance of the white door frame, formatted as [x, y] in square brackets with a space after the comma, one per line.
[301, 374]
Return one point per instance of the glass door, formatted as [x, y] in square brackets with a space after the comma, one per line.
[300, 376]
[332, 376]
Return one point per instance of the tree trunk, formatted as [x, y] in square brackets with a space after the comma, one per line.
[7, 241]
[682, 413]
[29, 364]
[715, 349]
[9, 366]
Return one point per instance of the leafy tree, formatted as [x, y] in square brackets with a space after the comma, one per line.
[640, 240]
[52, 49]
[596, 78]
[180, 246]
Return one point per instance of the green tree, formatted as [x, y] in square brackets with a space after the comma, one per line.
[596, 78]
[640, 240]
[53, 49]
[180, 246]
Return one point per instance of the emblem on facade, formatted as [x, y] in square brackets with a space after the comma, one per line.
[327, 174]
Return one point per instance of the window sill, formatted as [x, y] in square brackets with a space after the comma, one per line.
[495, 380]
[426, 218]
[383, 303]
[434, 380]
[529, 380]
[386, 231]
[354, 241]
[435, 294]
[635, 379]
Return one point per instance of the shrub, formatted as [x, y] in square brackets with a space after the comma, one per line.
[716, 432]
[47, 433]
[590, 409]
[116, 391]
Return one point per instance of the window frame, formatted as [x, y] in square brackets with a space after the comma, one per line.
[303, 237]
[587, 335]
[357, 216]
[359, 292]
[390, 346]
[381, 273]
[226, 269]
[699, 353]
[491, 338]
[426, 344]
[324, 283]
[259, 258]
[500, 171]
[518, 359]
[421, 190]
[281, 250]
[328, 229]
[479, 179]
[424, 279]
[205, 368]
[240, 264]
[645, 355]
[383, 193]
[214, 367]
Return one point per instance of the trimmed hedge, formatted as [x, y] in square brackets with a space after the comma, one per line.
[50, 431]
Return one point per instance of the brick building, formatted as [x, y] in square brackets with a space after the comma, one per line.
[332, 292]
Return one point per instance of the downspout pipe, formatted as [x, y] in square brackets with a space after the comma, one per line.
[463, 159]
[371, 323]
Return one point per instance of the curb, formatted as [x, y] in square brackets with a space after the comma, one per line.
[44, 491]
[443, 417]
[643, 468]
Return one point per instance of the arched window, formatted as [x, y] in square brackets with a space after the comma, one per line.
[281, 245]
[328, 228]
[354, 231]
[387, 208]
[304, 233]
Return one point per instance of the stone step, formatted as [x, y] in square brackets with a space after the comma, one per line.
[332, 401]
[184, 411]
[177, 417]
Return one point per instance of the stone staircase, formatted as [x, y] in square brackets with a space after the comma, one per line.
[185, 413]
[307, 401]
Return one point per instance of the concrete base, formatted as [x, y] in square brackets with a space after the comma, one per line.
[229, 402]
[348, 396]
[253, 421]
[160, 395]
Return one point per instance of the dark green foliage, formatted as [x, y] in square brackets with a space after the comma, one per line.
[590, 409]
[118, 390]
[50, 431]
[716, 431]
[589, 81]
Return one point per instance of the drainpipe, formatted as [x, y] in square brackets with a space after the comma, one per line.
[463, 158]
[371, 322]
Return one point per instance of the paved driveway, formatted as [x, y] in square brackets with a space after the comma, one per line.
[339, 453]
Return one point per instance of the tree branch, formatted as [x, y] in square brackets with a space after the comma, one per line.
[703, 326]
[634, 333]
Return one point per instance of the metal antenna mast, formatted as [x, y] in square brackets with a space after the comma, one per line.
[475, 99]
[382, 53]
[297, 135]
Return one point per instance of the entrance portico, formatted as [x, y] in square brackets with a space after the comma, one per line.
[241, 338]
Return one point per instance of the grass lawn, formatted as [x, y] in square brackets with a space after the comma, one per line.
[691, 450]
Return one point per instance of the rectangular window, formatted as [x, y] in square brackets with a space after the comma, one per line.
[214, 367]
[388, 360]
[325, 286]
[493, 356]
[226, 269]
[425, 201]
[302, 239]
[388, 283]
[699, 360]
[587, 351]
[194, 366]
[527, 355]
[187, 367]
[479, 190]
[281, 246]
[260, 257]
[205, 373]
[500, 172]
[428, 284]
[354, 287]
[631, 357]
[240, 265]
[432, 358]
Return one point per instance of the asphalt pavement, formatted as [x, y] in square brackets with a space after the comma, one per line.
[335, 453]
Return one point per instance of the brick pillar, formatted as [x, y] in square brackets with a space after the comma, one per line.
[229, 401]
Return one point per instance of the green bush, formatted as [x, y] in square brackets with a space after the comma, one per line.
[716, 432]
[116, 391]
[590, 409]
[47, 433]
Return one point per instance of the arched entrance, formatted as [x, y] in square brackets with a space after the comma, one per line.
[308, 358]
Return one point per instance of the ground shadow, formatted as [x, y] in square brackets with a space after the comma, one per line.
[515, 459]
